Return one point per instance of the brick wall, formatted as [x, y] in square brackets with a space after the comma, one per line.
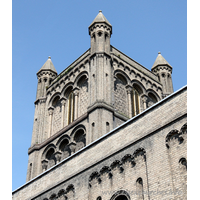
[115, 161]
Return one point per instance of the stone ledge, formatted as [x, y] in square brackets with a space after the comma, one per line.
[60, 132]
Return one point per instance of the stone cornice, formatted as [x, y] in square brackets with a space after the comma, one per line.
[99, 53]
[60, 132]
[102, 104]
[45, 71]
[40, 100]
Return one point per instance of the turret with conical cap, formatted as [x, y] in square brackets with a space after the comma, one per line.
[163, 70]
[100, 31]
[45, 76]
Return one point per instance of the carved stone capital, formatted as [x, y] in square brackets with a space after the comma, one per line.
[129, 89]
[44, 164]
[144, 99]
[50, 110]
[72, 146]
[63, 101]
[57, 156]
[76, 91]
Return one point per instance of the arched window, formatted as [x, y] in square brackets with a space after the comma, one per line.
[50, 157]
[183, 162]
[80, 140]
[64, 148]
[63, 144]
[139, 189]
[151, 99]
[121, 197]
[71, 108]
[136, 102]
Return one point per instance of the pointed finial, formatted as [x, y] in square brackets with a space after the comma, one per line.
[100, 10]
[159, 52]
[49, 57]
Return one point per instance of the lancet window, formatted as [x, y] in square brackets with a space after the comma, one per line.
[71, 108]
[136, 102]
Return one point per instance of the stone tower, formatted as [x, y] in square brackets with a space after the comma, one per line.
[100, 106]
[104, 126]
[45, 75]
[163, 70]
[99, 91]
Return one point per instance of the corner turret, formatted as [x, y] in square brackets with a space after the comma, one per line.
[163, 70]
[100, 31]
[45, 75]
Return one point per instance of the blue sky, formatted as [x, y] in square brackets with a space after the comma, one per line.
[60, 29]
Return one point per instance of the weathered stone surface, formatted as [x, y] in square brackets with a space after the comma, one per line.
[82, 145]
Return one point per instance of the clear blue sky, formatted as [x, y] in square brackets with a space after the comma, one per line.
[60, 29]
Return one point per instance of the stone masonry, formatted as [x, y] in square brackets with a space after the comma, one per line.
[107, 128]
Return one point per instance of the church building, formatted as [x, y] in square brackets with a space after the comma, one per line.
[107, 128]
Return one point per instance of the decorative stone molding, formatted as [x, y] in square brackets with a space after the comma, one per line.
[94, 176]
[72, 147]
[139, 155]
[184, 129]
[63, 101]
[53, 197]
[128, 158]
[70, 188]
[50, 110]
[57, 156]
[120, 193]
[129, 88]
[183, 164]
[173, 137]
[61, 192]
[117, 164]
[44, 165]
[106, 170]
[42, 100]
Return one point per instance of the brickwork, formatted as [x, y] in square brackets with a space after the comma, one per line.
[83, 102]
[82, 149]
[130, 152]
[121, 103]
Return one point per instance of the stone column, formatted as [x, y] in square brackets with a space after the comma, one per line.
[50, 120]
[44, 165]
[63, 102]
[76, 94]
[129, 92]
[72, 147]
[144, 101]
[57, 156]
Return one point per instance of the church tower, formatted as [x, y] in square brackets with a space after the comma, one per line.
[100, 117]
[96, 93]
